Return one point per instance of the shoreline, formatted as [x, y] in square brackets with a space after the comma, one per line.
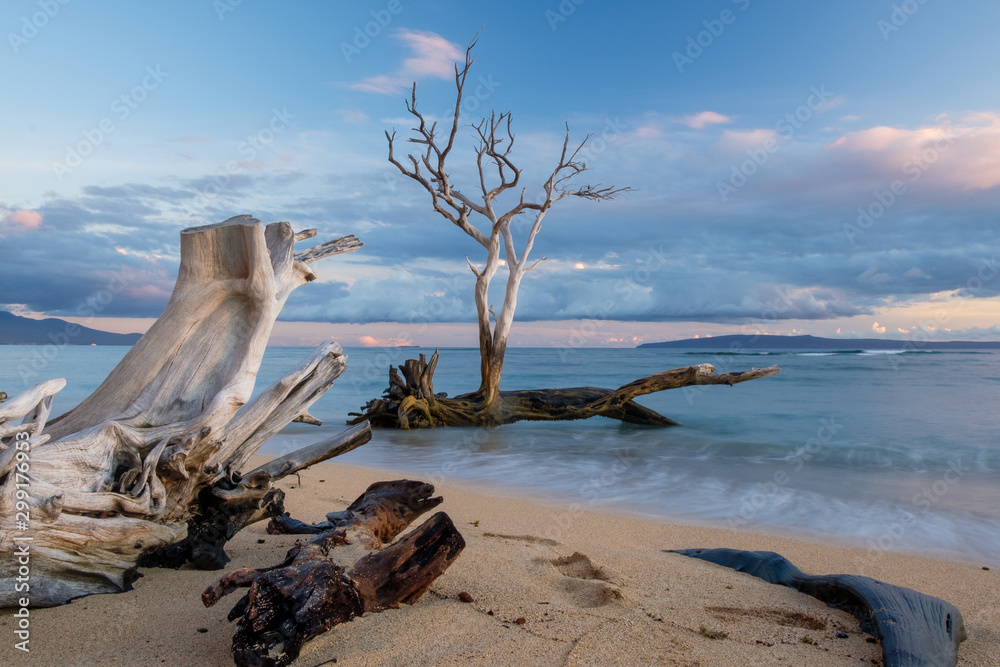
[561, 500]
[594, 588]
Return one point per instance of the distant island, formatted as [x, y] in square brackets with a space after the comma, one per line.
[17, 330]
[741, 342]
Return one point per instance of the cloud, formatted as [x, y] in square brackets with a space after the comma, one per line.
[19, 219]
[700, 120]
[371, 341]
[775, 253]
[743, 139]
[916, 272]
[354, 116]
[965, 153]
[431, 56]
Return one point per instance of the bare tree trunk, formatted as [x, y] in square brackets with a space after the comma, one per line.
[491, 401]
[126, 472]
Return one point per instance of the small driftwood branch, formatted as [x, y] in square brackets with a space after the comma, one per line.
[335, 247]
[301, 459]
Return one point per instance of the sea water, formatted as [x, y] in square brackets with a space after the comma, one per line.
[893, 451]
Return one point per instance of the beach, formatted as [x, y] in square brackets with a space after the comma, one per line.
[592, 588]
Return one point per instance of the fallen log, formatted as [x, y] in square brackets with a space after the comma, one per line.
[916, 630]
[154, 453]
[340, 574]
[410, 401]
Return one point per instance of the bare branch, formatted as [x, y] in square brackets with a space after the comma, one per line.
[536, 263]
[334, 247]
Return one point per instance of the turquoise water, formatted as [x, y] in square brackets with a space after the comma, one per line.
[897, 451]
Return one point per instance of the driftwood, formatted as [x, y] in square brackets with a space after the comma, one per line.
[234, 503]
[341, 573]
[155, 451]
[410, 401]
[385, 508]
[916, 630]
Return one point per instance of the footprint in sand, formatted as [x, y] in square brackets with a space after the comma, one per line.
[586, 581]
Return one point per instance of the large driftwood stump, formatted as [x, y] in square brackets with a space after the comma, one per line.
[916, 630]
[154, 454]
[341, 573]
[410, 401]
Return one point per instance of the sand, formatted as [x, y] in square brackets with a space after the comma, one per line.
[593, 589]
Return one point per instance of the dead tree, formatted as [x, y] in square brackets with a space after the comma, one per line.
[481, 217]
[343, 572]
[148, 466]
[410, 401]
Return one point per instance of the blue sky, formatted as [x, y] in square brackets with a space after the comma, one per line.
[799, 167]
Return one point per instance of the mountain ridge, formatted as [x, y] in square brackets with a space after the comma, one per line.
[17, 330]
[736, 342]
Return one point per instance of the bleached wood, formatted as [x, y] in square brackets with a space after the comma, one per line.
[496, 174]
[334, 247]
[345, 441]
[119, 475]
[23, 405]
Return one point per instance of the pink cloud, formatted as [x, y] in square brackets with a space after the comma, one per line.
[431, 55]
[964, 154]
[881, 137]
[22, 217]
[700, 120]
[371, 341]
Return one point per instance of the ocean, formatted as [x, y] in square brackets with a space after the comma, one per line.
[895, 451]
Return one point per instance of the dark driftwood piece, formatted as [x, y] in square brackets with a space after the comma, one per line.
[319, 585]
[916, 630]
[385, 509]
[240, 500]
[410, 401]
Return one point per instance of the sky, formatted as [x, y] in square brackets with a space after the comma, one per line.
[797, 167]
